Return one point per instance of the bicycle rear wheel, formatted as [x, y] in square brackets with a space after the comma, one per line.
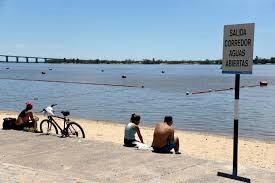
[48, 127]
[75, 130]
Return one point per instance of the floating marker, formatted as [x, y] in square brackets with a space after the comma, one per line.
[123, 76]
[187, 93]
[263, 83]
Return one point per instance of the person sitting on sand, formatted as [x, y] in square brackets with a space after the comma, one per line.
[164, 140]
[130, 130]
[26, 119]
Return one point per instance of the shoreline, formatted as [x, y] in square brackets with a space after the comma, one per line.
[253, 152]
[229, 136]
[151, 127]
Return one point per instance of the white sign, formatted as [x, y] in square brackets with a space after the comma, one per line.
[238, 44]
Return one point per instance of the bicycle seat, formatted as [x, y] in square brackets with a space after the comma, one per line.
[65, 113]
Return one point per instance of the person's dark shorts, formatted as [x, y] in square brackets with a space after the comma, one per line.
[27, 125]
[165, 149]
[129, 142]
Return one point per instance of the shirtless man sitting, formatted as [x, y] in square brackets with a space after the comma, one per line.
[24, 118]
[164, 140]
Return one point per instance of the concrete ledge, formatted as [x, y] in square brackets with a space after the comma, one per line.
[28, 157]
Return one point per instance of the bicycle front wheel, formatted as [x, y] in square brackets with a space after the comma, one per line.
[48, 127]
[75, 130]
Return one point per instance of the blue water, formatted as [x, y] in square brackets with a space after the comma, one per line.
[163, 94]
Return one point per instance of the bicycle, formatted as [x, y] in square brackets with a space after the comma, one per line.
[50, 126]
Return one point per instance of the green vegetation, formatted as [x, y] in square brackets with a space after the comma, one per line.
[257, 60]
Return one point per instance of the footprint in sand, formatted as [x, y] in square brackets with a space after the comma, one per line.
[66, 167]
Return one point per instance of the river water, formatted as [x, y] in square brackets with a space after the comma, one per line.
[163, 94]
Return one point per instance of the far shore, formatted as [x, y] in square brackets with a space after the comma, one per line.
[257, 153]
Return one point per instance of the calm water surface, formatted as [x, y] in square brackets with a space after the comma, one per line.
[163, 94]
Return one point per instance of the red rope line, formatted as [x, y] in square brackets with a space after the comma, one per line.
[73, 82]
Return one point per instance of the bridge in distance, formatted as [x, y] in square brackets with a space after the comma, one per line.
[25, 59]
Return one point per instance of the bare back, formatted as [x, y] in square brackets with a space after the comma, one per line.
[24, 117]
[163, 134]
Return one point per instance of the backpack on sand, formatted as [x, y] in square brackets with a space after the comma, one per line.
[9, 123]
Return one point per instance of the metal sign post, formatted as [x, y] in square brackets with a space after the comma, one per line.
[236, 125]
[237, 59]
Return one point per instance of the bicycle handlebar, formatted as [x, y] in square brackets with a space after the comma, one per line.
[43, 110]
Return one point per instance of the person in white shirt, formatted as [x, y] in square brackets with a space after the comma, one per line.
[130, 130]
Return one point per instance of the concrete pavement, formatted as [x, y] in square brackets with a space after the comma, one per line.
[29, 157]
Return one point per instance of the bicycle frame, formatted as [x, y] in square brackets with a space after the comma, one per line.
[65, 120]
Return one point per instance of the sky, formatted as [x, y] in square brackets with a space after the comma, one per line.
[131, 29]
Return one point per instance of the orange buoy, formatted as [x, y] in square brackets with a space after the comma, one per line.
[263, 83]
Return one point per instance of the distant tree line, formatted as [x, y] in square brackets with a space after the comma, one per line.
[257, 60]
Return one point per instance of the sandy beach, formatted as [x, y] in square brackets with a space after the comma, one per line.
[252, 152]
